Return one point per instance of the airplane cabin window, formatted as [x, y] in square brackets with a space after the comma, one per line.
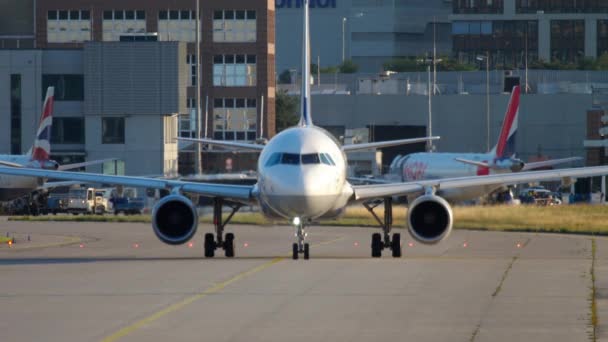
[290, 159]
[312, 158]
[273, 160]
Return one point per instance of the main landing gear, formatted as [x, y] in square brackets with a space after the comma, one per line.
[300, 247]
[227, 242]
[378, 243]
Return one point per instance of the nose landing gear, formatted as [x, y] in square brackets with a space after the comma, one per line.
[378, 243]
[300, 247]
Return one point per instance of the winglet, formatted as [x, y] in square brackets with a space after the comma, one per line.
[41, 150]
[305, 117]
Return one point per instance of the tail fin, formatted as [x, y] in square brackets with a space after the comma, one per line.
[505, 148]
[305, 118]
[41, 150]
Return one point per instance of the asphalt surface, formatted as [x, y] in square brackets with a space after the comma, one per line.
[117, 282]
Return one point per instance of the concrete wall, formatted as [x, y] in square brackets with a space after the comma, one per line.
[145, 150]
[28, 64]
[553, 125]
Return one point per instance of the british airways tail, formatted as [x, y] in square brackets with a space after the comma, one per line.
[505, 148]
[305, 117]
[41, 150]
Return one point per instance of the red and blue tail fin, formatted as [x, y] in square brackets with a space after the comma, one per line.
[41, 150]
[505, 148]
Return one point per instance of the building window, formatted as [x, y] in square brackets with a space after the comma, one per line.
[191, 60]
[234, 26]
[509, 42]
[234, 70]
[67, 131]
[177, 25]
[477, 6]
[561, 6]
[234, 119]
[567, 40]
[187, 122]
[65, 26]
[602, 37]
[16, 114]
[118, 22]
[67, 87]
[113, 130]
[114, 167]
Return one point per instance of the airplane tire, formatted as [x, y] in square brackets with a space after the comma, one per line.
[396, 245]
[306, 251]
[295, 252]
[376, 245]
[229, 245]
[209, 245]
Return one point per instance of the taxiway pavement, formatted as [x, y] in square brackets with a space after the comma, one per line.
[117, 282]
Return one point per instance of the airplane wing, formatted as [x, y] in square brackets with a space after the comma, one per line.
[65, 167]
[225, 143]
[399, 189]
[472, 162]
[235, 192]
[9, 164]
[381, 144]
[537, 165]
[52, 185]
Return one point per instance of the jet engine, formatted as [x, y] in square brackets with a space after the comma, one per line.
[174, 219]
[429, 219]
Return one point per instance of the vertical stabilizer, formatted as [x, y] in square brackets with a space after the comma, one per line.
[41, 150]
[505, 148]
[305, 118]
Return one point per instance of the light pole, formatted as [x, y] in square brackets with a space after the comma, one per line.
[343, 39]
[487, 59]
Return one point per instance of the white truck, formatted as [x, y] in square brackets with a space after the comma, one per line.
[88, 201]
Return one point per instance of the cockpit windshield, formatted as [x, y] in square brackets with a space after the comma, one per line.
[297, 159]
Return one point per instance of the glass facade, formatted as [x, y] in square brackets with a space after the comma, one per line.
[567, 40]
[234, 26]
[234, 119]
[67, 131]
[477, 6]
[118, 22]
[561, 6]
[234, 70]
[16, 114]
[113, 130]
[602, 37]
[69, 87]
[177, 25]
[68, 26]
[508, 42]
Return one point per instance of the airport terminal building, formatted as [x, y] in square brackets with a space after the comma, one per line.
[124, 74]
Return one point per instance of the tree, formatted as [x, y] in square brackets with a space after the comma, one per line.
[285, 77]
[348, 67]
[286, 108]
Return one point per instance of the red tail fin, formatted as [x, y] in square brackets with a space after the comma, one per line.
[42, 145]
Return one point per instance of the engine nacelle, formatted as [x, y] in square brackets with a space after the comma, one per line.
[174, 219]
[429, 219]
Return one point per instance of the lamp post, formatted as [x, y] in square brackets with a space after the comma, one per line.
[343, 39]
[487, 59]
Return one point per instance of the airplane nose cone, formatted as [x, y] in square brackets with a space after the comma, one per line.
[303, 193]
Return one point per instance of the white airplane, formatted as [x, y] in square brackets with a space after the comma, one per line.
[302, 179]
[501, 159]
[12, 187]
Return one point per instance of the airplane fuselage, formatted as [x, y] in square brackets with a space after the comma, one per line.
[424, 166]
[302, 173]
[12, 187]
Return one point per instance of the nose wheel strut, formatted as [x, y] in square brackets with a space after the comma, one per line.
[300, 247]
[382, 241]
[224, 242]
